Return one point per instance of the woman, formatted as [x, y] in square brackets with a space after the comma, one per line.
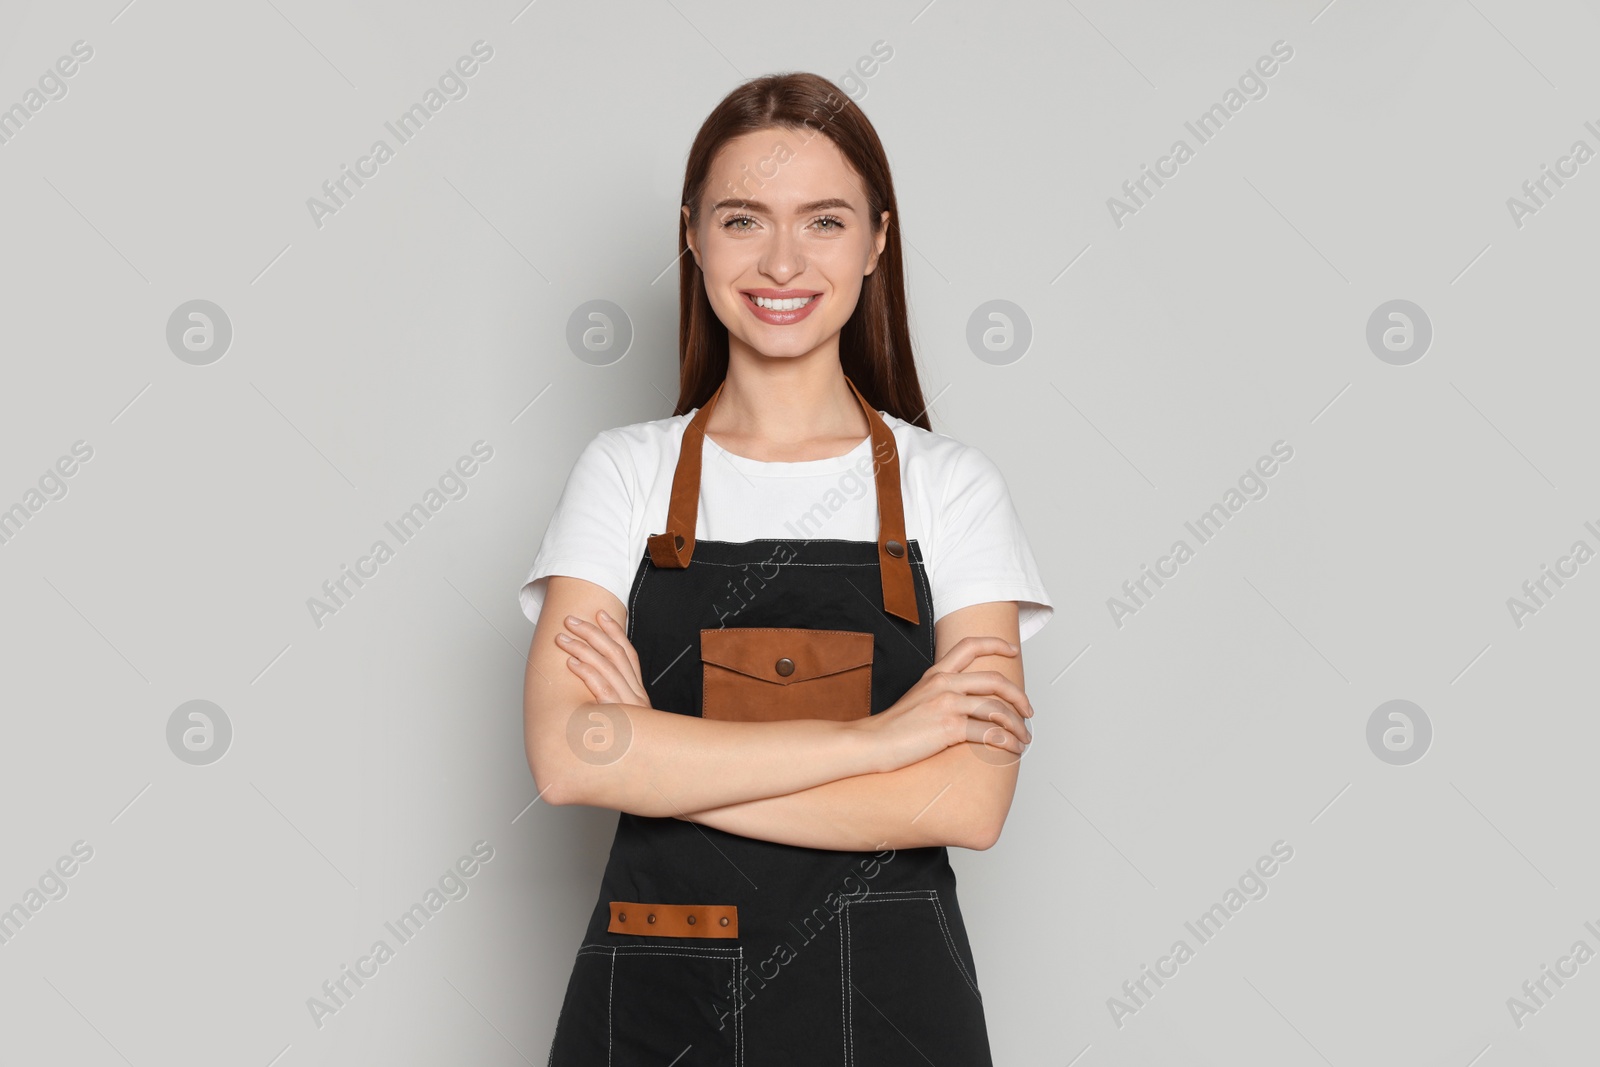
[779, 632]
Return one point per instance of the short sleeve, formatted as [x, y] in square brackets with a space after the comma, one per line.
[588, 533]
[981, 553]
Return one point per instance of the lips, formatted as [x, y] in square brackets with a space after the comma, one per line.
[789, 311]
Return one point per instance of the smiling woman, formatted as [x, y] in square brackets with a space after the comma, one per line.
[769, 713]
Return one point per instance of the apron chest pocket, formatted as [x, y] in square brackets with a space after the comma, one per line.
[766, 673]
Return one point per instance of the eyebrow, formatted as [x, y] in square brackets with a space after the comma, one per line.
[832, 203]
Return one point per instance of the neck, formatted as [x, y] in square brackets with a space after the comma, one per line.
[787, 401]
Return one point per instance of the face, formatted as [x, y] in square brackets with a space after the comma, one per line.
[784, 241]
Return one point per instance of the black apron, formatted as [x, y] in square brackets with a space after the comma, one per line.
[710, 949]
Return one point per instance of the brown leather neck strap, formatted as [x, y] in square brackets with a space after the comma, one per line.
[675, 547]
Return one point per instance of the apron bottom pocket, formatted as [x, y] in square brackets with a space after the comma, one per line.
[651, 1005]
[910, 997]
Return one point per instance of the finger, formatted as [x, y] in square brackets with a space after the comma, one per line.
[597, 686]
[596, 636]
[603, 666]
[988, 733]
[1013, 720]
[609, 658]
[624, 659]
[991, 682]
[602, 689]
[618, 631]
[964, 651]
[575, 646]
[1001, 713]
[987, 644]
[620, 635]
[632, 671]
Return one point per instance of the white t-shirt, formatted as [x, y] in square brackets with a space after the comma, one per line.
[957, 508]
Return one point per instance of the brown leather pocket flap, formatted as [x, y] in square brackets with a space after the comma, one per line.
[766, 652]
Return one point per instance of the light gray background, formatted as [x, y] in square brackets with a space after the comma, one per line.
[1167, 355]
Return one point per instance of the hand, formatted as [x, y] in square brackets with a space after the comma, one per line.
[950, 705]
[603, 657]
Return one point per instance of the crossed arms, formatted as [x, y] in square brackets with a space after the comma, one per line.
[809, 782]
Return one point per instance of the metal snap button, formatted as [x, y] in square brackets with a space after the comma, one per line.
[785, 666]
[895, 549]
[651, 919]
[724, 920]
[622, 916]
[691, 920]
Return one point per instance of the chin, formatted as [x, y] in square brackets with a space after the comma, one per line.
[785, 353]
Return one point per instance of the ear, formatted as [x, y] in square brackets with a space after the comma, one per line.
[879, 241]
[692, 238]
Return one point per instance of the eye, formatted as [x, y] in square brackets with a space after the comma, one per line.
[837, 224]
[729, 224]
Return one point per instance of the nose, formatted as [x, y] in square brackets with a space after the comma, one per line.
[782, 258]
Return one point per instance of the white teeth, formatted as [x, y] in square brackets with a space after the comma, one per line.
[783, 305]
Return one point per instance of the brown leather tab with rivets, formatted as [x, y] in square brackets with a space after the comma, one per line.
[674, 547]
[674, 920]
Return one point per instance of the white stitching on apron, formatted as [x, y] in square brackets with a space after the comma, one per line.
[844, 957]
[949, 940]
[693, 952]
[687, 951]
[922, 572]
[931, 895]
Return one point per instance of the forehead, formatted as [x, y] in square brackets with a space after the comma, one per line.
[782, 166]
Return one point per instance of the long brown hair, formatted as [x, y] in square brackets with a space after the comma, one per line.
[875, 343]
